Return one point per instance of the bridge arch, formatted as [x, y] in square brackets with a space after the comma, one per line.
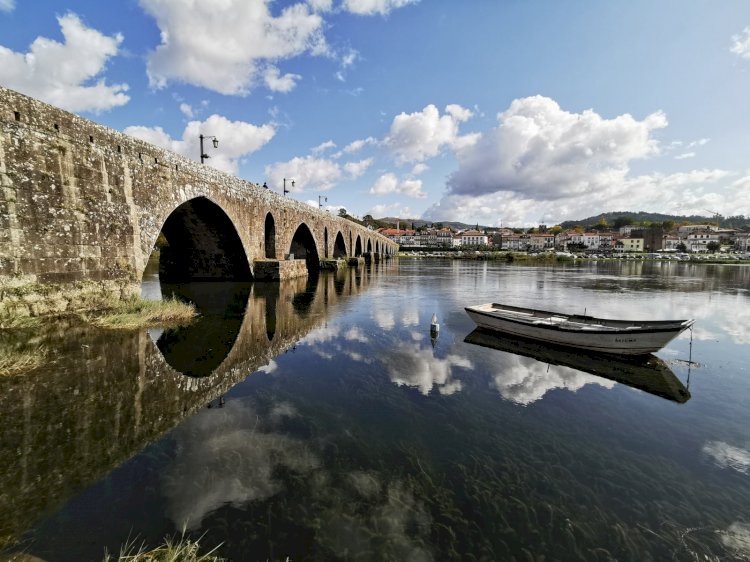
[358, 247]
[270, 237]
[339, 247]
[325, 241]
[369, 245]
[303, 246]
[201, 243]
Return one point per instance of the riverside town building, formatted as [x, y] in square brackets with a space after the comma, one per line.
[628, 239]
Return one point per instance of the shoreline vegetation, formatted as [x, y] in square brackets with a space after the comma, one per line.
[173, 549]
[130, 313]
[136, 312]
[552, 257]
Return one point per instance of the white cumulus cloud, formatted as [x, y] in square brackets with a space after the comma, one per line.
[372, 7]
[541, 150]
[685, 156]
[680, 193]
[308, 171]
[321, 5]
[7, 5]
[226, 47]
[187, 110]
[392, 210]
[389, 183]
[358, 145]
[277, 83]
[65, 74]
[741, 44]
[543, 161]
[236, 139]
[322, 147]
[356, 169]
[415, 137]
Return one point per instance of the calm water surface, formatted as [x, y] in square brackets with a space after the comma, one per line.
[321, 421]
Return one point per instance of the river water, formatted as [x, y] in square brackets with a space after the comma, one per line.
[321, 420]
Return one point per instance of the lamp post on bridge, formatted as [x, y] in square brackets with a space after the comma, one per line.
[285, 189]
[320, 205]
[215, 143]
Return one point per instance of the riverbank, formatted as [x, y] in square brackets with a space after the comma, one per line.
[546, 257]
[20, 354]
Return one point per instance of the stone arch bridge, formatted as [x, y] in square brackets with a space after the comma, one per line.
[82, 202]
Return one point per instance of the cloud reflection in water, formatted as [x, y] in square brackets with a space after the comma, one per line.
[728, 456]
[227, 456]
[524, 380]
[411, 365]
[737, 538]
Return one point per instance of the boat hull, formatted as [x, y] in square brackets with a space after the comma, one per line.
[626, 340]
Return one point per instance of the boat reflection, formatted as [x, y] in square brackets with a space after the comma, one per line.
[648, 373]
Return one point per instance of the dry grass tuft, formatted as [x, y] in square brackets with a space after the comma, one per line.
[137, 312]
[174, 549]
[14, 322]
[15, 361]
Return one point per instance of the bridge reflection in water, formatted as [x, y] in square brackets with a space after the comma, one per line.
[105, 395]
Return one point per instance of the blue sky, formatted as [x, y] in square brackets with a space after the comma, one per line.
[491, 111]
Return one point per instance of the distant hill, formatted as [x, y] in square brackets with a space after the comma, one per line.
[641, 217]
[407, 223]
[637, 217]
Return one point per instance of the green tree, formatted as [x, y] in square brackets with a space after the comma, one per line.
[681, 247]
[623, 221]
[713, 246]
[342, 212]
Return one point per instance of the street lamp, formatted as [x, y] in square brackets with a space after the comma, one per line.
[320, 205]
[285, 189]
[215, 143]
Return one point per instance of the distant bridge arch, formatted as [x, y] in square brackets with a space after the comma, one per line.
[339, 246]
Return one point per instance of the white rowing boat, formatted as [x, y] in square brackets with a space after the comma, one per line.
[629, 337]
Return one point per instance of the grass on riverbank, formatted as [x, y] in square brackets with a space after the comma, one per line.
[137, 312]
[15, 361]
[173, 549]
[20, 322]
